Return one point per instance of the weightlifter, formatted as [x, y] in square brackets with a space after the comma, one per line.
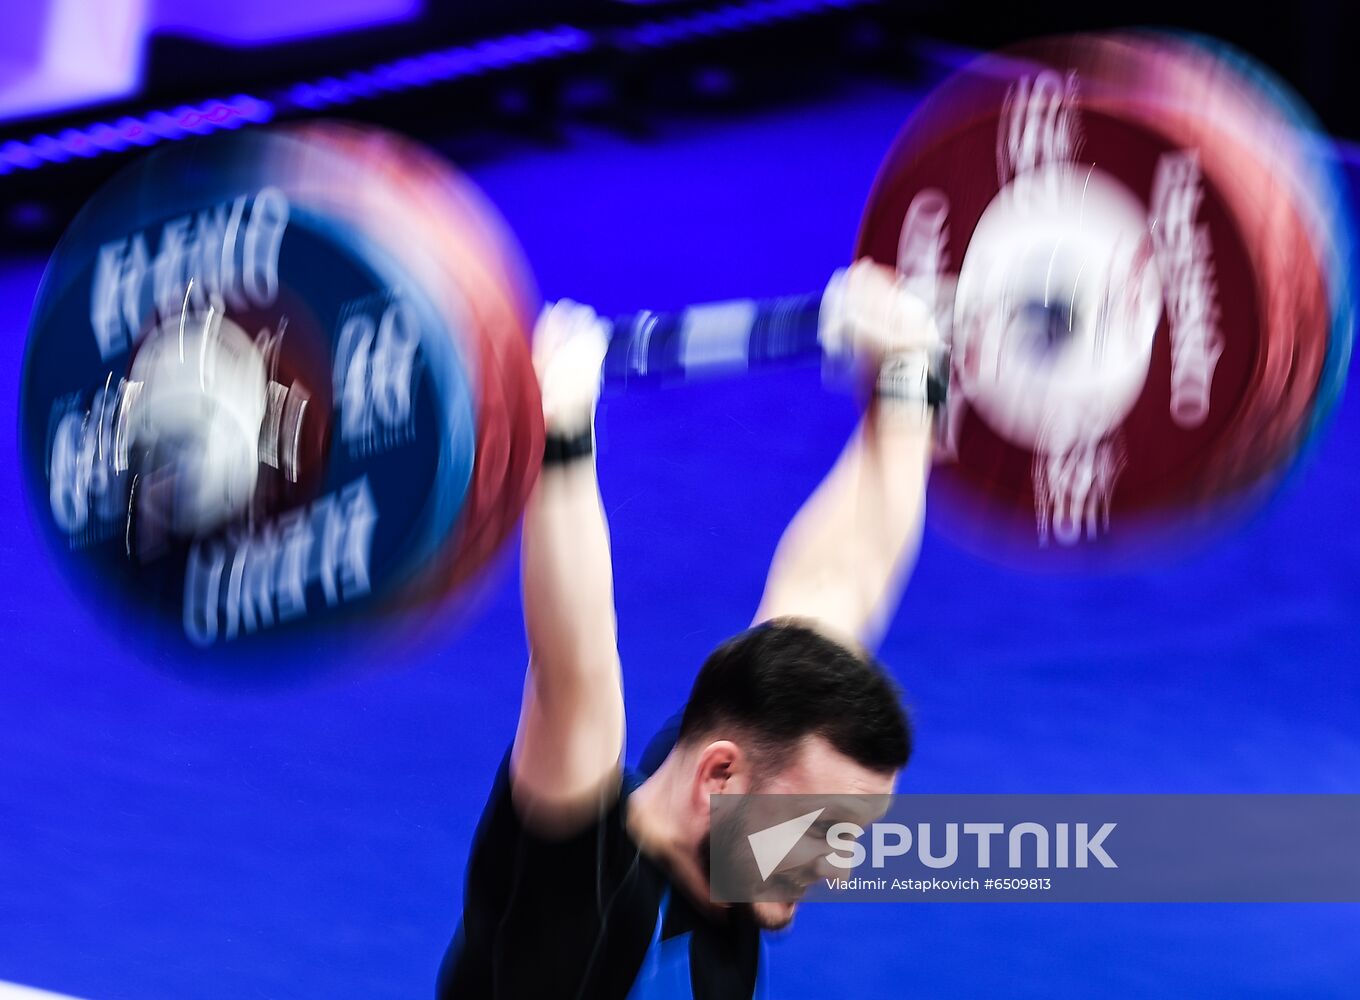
[588, 881]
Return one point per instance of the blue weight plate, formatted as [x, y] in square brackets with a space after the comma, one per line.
[357, 488]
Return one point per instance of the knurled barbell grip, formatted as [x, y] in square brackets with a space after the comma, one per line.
[713, 339]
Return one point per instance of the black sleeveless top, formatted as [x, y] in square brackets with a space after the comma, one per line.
[578, 918]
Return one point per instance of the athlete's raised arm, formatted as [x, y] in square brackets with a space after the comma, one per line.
[842, 561]
[565, 766]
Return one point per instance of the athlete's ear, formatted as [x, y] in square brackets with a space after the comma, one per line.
[721, 769]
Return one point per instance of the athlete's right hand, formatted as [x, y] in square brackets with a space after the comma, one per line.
[570, 341]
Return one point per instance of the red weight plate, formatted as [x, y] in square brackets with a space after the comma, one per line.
[1252, 151]
[1106, 374]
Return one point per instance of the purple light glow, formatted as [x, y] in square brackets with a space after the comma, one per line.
[64, 53]
[102, 137]
[106, 137]
[135, 131]
[424, 70]
[19, 154]
[163, 125]
[304, 95]
[736, 18]
[47, 148]
[252, 109]
[77, 143]
[255, 22]
[488, 56]
[363, 84]
[333, 91]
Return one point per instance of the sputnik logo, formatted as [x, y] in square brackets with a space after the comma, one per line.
[773, 844]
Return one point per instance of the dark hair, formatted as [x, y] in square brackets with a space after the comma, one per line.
[780, 682]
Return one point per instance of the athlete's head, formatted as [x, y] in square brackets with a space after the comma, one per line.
[781, 709]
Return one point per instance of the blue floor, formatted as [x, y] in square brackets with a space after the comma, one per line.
[160, 840]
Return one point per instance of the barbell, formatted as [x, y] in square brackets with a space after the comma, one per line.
[278, 382]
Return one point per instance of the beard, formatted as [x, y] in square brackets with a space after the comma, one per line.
[766, 914]
[771, 916]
